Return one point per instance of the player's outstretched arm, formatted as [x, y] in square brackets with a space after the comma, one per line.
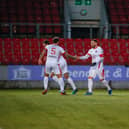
[83, 57]
[77, 57]
[70, 56]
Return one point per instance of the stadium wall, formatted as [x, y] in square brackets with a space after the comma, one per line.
[93, 10]
[28, 76]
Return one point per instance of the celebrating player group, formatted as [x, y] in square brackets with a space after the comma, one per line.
[56, 66]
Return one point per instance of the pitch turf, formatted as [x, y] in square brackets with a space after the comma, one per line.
[28, 109]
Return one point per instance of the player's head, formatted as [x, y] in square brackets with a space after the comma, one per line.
[94, 43]
[56, 40]
[46, 42]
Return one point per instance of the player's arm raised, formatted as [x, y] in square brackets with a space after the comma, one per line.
[70, 56]
[41, 56]
[84, 57]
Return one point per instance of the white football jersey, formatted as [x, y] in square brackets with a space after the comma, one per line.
[62, 60]
[63, 65]
[96, 54]
[54, 52]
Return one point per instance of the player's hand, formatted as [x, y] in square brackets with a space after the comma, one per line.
[45, 58]
[39, 61]
[76, 57]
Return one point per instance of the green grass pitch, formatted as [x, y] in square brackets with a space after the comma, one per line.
[29, 109]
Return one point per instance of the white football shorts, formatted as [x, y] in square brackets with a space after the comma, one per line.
[52, 67]
[97, 70]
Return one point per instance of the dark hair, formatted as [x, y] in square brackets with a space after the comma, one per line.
[46, 42]
[95, 40]
[55, 40]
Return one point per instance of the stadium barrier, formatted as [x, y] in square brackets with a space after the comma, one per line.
[28, 76]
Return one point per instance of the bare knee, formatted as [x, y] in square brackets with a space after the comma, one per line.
[90, 78]
[101, 80]
[66, 75]
[59, 75]
[46, 74]
[52, 74]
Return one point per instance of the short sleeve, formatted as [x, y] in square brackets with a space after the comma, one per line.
[62, 50]
[89, 52]
[101, 50]
[46, 47]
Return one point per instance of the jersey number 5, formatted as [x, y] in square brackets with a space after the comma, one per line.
[53, 51]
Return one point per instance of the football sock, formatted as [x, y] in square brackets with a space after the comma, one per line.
[90, 85]
[55, 78]
[106, 84]
[45, 83]
[70, 81]
[61, 84]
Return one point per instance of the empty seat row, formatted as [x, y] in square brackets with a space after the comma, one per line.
[118, 14]
[31, 29]
[27, 51]
[22, 11]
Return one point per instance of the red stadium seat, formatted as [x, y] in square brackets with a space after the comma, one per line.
[87, 41]
[1, 43]
[70, 44]
[50, 40]
[31, 29]
[105, 45]
[35, 57]
[8, 41]
[114, 48]
[124, 30]
[49, 30]
[41, 46]
[31, 12]
[1, 51]
[126, 60]
[108, 60]
[57, 29]
[25, 42]
[79, 43]
[105, 41]
[25, 60]
[87, 45]
[34, 41]
[62, 43]
[27, 51]
[8, 53]
[69, 60]
[17, 59]
[121, 61]
[30, 19]
[22, 29]
[122, 47]
[4, 19]
[118, 14]
[1, 58]
[79, 47]
[16, 43]
[56, 19]
[7, 60]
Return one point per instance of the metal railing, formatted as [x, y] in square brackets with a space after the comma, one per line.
[14, 27]
[103, 31]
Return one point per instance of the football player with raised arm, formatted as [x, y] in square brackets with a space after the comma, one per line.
[64, 70]
[54, 52]
[97, 55]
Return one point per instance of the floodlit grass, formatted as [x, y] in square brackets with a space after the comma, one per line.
[28, 109]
